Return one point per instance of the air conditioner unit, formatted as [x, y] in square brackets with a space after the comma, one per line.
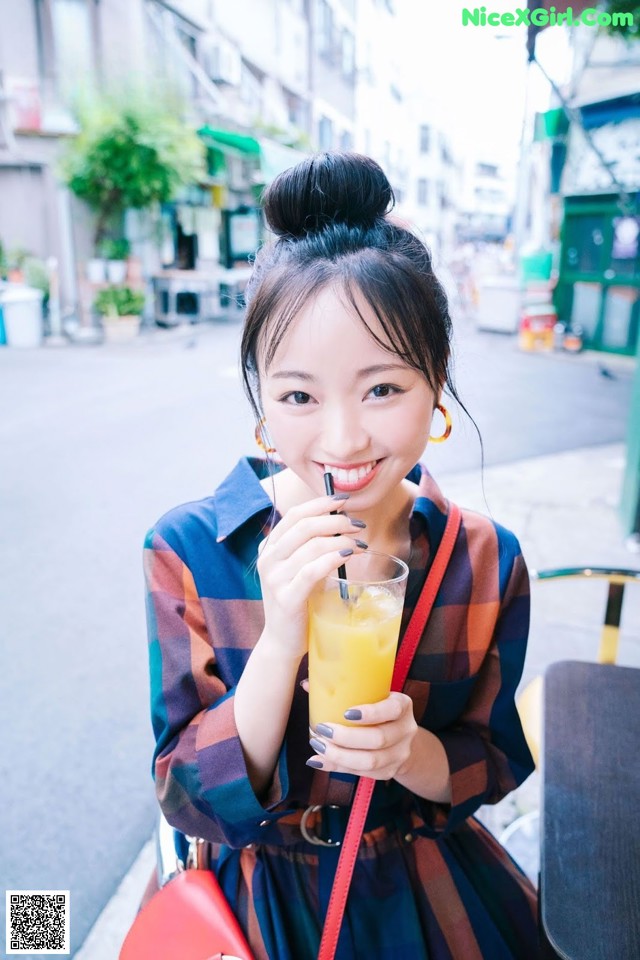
[223, 63]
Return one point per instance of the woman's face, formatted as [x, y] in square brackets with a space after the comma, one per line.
[332, 395]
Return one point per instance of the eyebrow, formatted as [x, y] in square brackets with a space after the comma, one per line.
[366, 372]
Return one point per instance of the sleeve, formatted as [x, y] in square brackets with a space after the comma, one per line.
[486, 748]
[199, 767]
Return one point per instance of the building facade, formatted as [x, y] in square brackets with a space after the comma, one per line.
[262, 81]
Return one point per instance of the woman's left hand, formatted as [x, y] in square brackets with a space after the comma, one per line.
[378, 746]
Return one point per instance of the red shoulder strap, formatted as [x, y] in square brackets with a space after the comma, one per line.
[364, 791]
[427, 597]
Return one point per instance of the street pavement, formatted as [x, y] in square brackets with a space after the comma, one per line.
[103, 440]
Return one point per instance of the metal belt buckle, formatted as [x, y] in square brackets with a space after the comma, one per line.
[312, 837]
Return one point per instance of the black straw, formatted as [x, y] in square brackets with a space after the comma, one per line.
[342, 570]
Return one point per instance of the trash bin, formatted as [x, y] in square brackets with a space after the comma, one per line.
[22, 314]
[498, 305]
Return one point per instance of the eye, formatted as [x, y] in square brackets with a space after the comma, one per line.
[382, 390]
[297, 398]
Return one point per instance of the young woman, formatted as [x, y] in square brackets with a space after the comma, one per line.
[345, 356]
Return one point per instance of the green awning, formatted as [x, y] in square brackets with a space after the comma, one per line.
[273, 157]
[235, 143]
[551, 124]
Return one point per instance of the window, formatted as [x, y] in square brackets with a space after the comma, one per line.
[250, 88]
[325, 134]
[297, 110]
[346, 140]
[585, 249]
[348, 55]
[486, 170]
[188, 41]
[425, 138]
[67, 44]
[625, 252]
[324, 28]
[423, 192]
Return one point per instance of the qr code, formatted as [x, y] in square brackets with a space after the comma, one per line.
[37, 921]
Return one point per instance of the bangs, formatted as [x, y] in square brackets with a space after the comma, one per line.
[403, 307]
[410, 305]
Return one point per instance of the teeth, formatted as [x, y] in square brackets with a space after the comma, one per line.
[350, 476]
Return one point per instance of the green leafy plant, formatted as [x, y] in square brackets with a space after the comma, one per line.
[36, 276]
[119, 302]
[131, 153]
[17, 258]
[628, 31]
[117, 248]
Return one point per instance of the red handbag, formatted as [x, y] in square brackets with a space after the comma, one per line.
[190, 919]
[187, 919]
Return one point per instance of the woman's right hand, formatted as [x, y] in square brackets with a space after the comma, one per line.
[301, 550]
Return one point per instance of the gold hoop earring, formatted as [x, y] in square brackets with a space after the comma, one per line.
[448, 426]
[260, 440]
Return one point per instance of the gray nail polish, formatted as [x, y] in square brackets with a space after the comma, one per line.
[324, 730]
[345, 553]
[317, 745]
[353, 714]
[340, 496]
[361, 544]
[357, 523]
[315, 763]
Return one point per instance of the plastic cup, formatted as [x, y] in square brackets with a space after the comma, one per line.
[353, 643]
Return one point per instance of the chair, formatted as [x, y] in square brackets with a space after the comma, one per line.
[521, 838]
[530, 701]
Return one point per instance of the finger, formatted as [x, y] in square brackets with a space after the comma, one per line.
[311, 528]
[378, 764]
[313, 562]
[310, 508]
[305, 685]
[391, 708]
[304, 579]
[382, 736]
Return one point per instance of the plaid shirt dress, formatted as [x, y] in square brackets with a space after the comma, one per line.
[430, 882]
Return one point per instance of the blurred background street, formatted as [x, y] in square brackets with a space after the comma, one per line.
[136, 138]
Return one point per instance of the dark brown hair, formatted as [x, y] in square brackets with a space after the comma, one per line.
[329, 217]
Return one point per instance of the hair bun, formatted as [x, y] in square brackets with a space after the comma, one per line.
[327, 188]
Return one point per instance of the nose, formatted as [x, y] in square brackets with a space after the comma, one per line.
[344, 434]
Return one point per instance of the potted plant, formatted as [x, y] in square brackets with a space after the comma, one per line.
[132, 152]
[16, 260]
[4, 263]
[120, 309]
[116, 252]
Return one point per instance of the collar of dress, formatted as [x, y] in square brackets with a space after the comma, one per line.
[240, 497]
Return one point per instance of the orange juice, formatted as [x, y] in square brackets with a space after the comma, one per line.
[352, 648]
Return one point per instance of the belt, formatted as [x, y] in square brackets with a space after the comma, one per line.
[325, 824]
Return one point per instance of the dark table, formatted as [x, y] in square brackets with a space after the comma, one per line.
[590, 856]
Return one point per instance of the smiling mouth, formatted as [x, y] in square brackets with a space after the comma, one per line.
[351, 474]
